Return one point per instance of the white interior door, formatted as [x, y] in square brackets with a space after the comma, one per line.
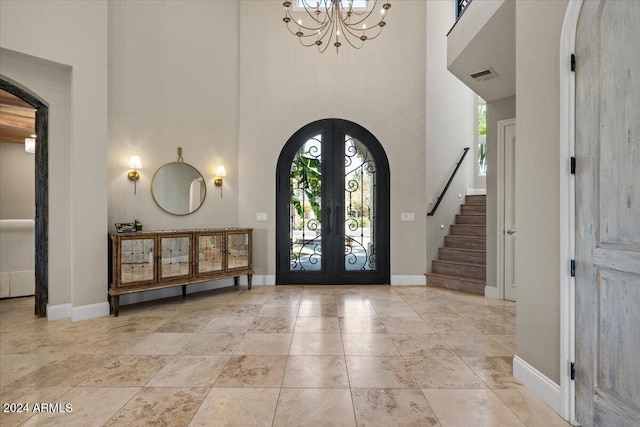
[608, 214]
[509, 212]
[506, 239]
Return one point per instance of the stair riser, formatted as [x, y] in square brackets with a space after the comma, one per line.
[474, 257]
[456, 284]
[476, 199]
[465, 243]
[467, 230]
[471, 219]
[473, 209]
[473, 271]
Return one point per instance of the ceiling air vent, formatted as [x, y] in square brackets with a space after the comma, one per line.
[484, 75]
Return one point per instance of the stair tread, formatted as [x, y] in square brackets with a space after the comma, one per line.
[464, 249]
[475, 264]
[467, 237]
[445, 276]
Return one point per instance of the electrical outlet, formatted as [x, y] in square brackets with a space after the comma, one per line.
[407, 216]
[261, 216]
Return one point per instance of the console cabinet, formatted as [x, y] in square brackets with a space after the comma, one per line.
[149, 260]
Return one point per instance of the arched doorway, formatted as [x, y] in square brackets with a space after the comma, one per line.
[332, 206]
[41, 192]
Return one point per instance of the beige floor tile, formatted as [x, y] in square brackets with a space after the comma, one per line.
[161, 343]
[379, 372]
[443, 372]
[317, 325]
[189, 371]
[252, 371]
[69, 371]
[392, 407]
[242, 407]
[160, 406]
[314, 407]
[349, 308]
[27, 395]
[107, 343]
[285, 310]
[269, 344]
[317, 310]
[446, 324]
[316, 372]
[470, 408]
[468, 345]
[496, 372]
[228, 324]
[127, 371]
[494, 327]
[212, 344]
[90, 406]
[421, 345]
[240, 310]
[406, 325]
[361, 325]
[272, 325]
[14, 367]
[316, 345]
[317, 298]
[139, 323]
[369, 345]
[396, 310]
[184, 324]
[507, 341]
[531, 410]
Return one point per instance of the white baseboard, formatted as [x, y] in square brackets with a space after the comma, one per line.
[89, 311]
[419, 280]
[267, 279]
[491, 292]
[57, 312]
[538, 383]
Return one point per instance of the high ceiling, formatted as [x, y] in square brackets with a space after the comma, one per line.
[17, 118]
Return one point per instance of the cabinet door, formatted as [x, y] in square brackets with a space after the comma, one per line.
[238, 250]
[137, 261]
[209, 255]
[175, 256]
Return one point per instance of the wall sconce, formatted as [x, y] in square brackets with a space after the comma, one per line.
[30, 144]
[134, 175]
[220, 173]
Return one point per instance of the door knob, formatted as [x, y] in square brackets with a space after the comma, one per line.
[510, 232]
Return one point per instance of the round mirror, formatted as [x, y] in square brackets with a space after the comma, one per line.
[178, 188]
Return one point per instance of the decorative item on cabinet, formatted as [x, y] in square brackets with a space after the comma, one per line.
[149, 260]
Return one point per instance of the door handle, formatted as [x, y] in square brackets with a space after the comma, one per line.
[328, 221]
[337, 220]
[510, 232]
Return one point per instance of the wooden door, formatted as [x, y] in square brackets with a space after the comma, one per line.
[608, 214]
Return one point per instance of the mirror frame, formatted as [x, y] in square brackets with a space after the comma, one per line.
[180, 163]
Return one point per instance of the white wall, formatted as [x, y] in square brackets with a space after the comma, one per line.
[17, 182]
[74, 34]
[173, 81]
[450, 128]
[537, 263]
[497, 110]
[284, 86]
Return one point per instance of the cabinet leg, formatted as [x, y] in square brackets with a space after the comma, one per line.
[249, 277]
[236, 280]
[184, 291]
[115, 303]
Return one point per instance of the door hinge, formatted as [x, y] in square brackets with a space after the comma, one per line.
[573, 371]
[573, 165]
[573, 62]
[573, 268]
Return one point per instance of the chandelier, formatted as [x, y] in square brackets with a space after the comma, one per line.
[326, 21]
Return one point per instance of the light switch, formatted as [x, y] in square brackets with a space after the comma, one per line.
[407, 216]
[261, 216]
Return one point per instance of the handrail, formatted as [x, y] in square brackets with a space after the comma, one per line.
[446, 187]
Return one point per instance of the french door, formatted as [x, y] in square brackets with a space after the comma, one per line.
[332, 206]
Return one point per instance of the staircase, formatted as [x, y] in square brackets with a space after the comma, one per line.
[461, 264]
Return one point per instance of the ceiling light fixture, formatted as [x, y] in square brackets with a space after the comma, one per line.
[350, 20]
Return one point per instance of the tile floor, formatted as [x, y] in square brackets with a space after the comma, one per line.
[273, 356]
